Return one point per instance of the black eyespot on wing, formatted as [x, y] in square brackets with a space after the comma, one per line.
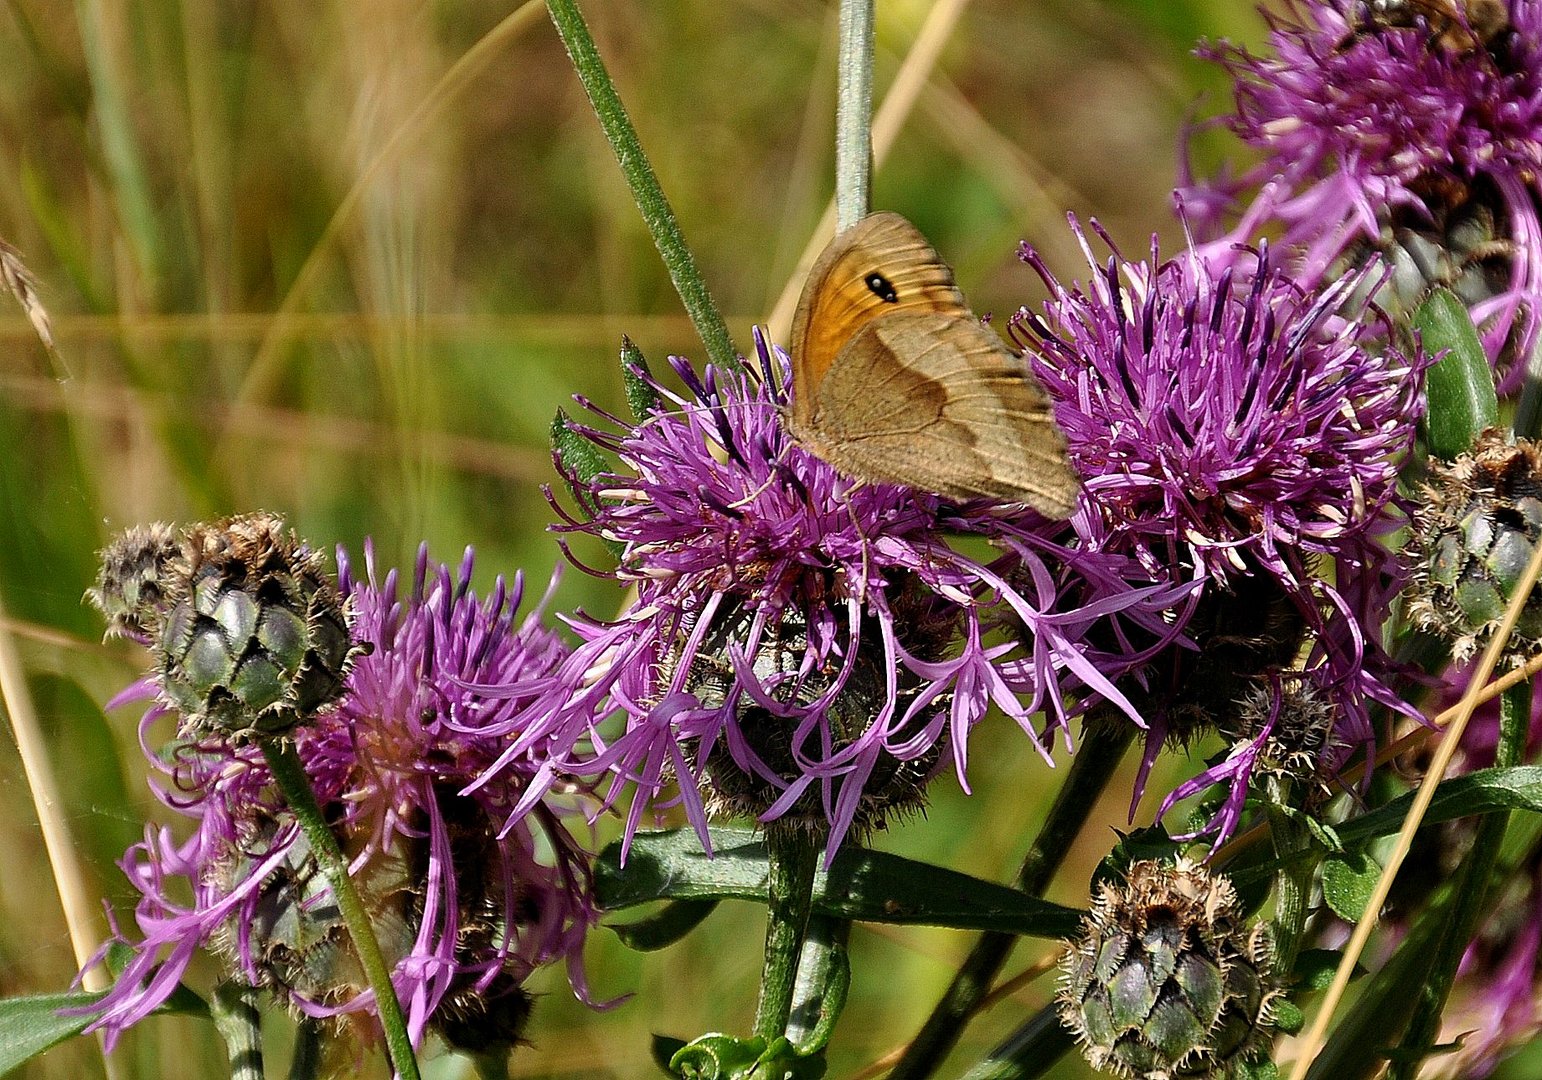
[881, 287]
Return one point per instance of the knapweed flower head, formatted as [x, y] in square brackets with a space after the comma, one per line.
[1235, 428]
[804, 648]
[1410, 128]
[247, 629]
[1166, 978]
[1473, 537]
[467, 901]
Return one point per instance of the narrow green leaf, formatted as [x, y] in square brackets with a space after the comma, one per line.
[579, 461]
[664, 928]
[1348, 882]
[1460, 387]
[1360, 1043]
[862, 885]
[1486, 791]
[31, 1025]
[644, 184]
[1314, 970]
[641, 396]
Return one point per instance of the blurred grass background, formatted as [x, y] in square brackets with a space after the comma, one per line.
[288, 270]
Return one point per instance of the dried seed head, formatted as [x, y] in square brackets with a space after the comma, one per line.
[1471, 543]
[1165, 980]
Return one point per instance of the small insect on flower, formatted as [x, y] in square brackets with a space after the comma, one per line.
[1454, 25]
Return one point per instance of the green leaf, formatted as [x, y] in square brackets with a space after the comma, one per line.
[1363, 1037]
[641, 396]
[664, 1048]
[1314, 970]
[31, 1025]
[1486, 791]
[664, 928]
[579, 461]
[1460, 387]
[722, 1057]
[1288, 1017]
[861, 885]
[1347, 883]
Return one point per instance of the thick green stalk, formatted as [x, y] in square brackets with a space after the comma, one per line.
[794, 856]
[1093, 766]
[289, 775]
[1292, 885]
[824, 978]
[644, 184]
[308, 1059]
[854, 114]
[239, 1023]
[1472, 890]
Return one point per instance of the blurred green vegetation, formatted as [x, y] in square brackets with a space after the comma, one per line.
[230, 339]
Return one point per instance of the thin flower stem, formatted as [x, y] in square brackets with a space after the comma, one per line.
[644, 184]
[794, 856]
[895, 109]
[1091, 768]
[1473, 887]
[239, 1023]
[289, 775]
[854, 114]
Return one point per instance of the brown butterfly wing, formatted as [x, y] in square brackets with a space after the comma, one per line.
[838, 300]
[936, 401]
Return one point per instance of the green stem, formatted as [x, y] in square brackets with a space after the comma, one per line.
[1029, 1051]
[824, 978]
[1471, 893]
[1104, 741]
[854, 114]
[794, 856]
[308, 1059]
[1292, 885]
[239, 1023]
[644, 184]
[292, 782]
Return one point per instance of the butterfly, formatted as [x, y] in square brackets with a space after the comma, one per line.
[895, 380]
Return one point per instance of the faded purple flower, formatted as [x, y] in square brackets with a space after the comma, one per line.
[1234, 428]
[467, 902]
[805, 649]
[1419, 136]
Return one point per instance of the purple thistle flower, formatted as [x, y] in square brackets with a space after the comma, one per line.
[803, 648]
[465, 912]
[1242, 435]
[1419, 139]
